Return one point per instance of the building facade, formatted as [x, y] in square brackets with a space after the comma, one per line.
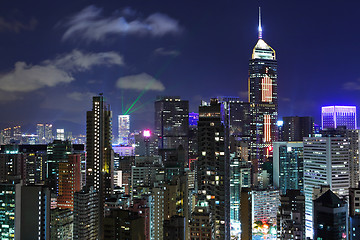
[336, 116]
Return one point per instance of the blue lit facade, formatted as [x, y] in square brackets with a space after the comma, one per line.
[336, 116]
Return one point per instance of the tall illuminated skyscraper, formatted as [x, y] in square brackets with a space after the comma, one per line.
[99, 161]
[336, 116]
[263, 99]
[171, 124]
[124, 129]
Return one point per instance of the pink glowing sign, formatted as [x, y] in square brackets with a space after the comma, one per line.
[147, 133]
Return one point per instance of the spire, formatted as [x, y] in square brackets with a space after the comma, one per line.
[260, 29]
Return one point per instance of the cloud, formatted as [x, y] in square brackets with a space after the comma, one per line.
[81, 96]
[17, 26]
[164, 52]
[26, 77]
[351, 86]
[140, 82]
[90, 25]
[78, 61]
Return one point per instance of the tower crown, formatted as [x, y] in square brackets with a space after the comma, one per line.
[262, 50]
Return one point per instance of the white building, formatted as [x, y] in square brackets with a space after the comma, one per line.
[265, 204]
[124, 129]
[326, 162]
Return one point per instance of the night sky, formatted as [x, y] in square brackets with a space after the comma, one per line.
[55, 55]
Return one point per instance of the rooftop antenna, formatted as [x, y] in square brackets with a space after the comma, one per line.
[260, 29]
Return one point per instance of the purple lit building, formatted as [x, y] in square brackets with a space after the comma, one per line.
[193, 119]
[336, 116]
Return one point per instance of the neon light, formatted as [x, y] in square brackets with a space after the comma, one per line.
[266, 88]
[267, 128]
[147, 133]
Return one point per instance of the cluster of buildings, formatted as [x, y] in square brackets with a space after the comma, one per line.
[44, 134]
[229, 171]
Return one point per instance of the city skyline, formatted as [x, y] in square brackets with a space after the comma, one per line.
[182, 46]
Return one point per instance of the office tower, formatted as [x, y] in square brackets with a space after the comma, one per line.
[291, 216]
[336, 116]
[330, 217]
[61, 224]
[11, 166]
[263, 100]
[124, 129]
[296, 128]
[60, 134]
[17, 134]
[69, 181]
[326, 162]
[193, 135]
[288, 166]
[5, 136]
[57, 153]
[354, 139]
[235, 188]
[35, 167]
[123, 224]
[246, 213]
[171, 124]
[145, 143]
[40, 131]
[32, 211]
[200, 224]
[265, 204]
[7, 211]
[100, 157]
[213, 167]
[86, 214]
[238, 115]
[44, 132]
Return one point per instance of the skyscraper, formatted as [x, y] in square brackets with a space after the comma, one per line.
[99, 162]
[263, 99]
[288, 166]
[213, 167]
[171, 124]
[124, 129]
[336, 116]
[296, 128]
[326, 162]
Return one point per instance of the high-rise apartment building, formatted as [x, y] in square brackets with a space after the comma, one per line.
[265, 204]
[7, 211]
[326, 162]
[336, 116]
[288, 166]
[263, 100]
[86, 214]
[69, 181]
[213, 167]
[171, 124]
[100, 157]
[296, 128]
[124, 129]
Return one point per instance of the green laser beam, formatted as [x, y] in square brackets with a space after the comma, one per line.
[141, 106]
